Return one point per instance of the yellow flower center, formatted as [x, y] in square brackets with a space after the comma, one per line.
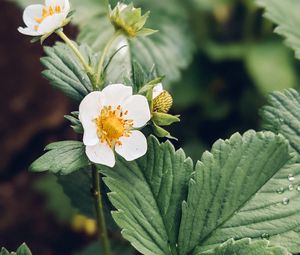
[46, 13]
[112, 125]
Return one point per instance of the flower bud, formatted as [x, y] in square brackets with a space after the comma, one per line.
[130, 20]
[163, 102]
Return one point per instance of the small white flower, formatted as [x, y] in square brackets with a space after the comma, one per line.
[45, 19]
[110, 118]
[157, 90]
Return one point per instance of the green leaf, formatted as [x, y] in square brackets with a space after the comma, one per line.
[246, 247]
[22, 250]
[271, 67]
[281, 115]
[233, 195]
[77, 186]
[61, 157]
[290, 239]
[285, 15]
[147, 194]
[221, 52]
[65, 72]
[56, 201]
[209, 5]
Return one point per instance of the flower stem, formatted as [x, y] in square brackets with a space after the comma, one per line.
[87, 68]
[102, 230]
[103, 56]
[107, 5]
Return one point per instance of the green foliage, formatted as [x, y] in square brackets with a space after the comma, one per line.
[148, 194]
[75, 122]
[246, 247]
[61, 157]
[208, 5]
[271, 66]
[22, 250]
[220, 203]
[65, 72]
[77, 186]
[158, 49]
[56, 201]
[281, 115]
[285, 15]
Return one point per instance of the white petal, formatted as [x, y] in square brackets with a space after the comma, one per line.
[138, 110]
[157, 90]
[90, 108]
[101, 154]
[132, 147]
[65, 4]
[54, 3]
[28, 31]
[116, 94]
[51, 23]
[30, 13]
[90, 136]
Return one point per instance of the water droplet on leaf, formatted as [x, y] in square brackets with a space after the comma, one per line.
[291, 177]
[280, 190]
[285, 201]
[265, 236]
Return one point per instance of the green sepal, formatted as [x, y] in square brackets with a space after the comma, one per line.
[75, 122]
[161, 132]
[44, 37]
[129, 20]
[150, 85]
[35, 39]
[70, 14]
[146, 32]
[164, 119]
[62, 157]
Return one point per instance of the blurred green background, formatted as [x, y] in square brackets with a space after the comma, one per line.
[229, 60]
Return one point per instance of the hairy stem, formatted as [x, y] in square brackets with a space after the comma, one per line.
[102, 229]
[104, 55]
[87, 68]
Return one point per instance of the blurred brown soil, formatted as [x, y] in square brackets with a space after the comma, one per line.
[31, 115]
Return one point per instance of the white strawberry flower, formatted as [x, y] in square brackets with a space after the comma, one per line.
[110, 118]
[45, 19]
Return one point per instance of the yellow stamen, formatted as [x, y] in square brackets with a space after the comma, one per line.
[46, 13]
[57, 9]
[111, 125]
